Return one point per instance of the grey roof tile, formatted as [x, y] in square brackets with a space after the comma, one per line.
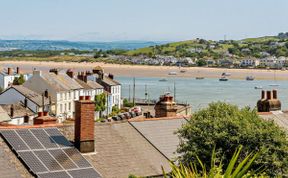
[161, 133]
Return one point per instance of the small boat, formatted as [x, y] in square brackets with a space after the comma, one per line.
[199, 78]
[250, 78]
[172, 73]
[274, 85]
[182, 71]
[258, 87]
[163, 80]
[223, 79]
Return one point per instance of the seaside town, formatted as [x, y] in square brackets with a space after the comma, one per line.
[143, 89]
[43, 113]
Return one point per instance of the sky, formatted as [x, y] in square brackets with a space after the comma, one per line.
[147, 20]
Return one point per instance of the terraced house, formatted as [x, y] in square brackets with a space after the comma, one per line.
[62, 89]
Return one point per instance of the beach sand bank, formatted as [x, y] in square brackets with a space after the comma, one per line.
[150, 71]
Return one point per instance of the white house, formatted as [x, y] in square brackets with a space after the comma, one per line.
[29, 98]
[7, 77]
[113, 87]
[273, 62]
[62, 89]
[249, 62]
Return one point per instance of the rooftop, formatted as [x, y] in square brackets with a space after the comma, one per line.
[19, 110]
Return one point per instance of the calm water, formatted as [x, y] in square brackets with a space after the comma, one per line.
[199, 93]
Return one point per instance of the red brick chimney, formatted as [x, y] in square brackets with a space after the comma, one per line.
[84, 124]
[44, 119]
[165, 107]
[270, 103]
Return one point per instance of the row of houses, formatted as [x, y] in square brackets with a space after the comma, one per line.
[271, 62]
[56, 92]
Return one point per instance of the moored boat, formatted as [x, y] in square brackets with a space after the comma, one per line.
[223, 79]
[250, 78]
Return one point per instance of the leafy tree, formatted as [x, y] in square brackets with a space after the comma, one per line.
[19, 80]
[201, 62]
[100, 103]
[127, 103]
[225, 127]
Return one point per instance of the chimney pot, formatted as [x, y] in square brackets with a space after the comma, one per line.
[40, 114]
[268, 93]
[9, 71]
[262, 94]
[12, 110]
[18, 70]
[274, 94]
[45, 113]
[88, 98]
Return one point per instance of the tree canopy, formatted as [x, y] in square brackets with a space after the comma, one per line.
[225, 127]
[100, 102]
[19, 80]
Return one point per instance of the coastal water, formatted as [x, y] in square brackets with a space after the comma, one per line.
[199, 93]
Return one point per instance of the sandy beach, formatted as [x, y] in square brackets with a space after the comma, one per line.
[149, 71]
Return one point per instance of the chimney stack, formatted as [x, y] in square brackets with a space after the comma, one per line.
[111, 76]
[25, 102]
[165, 107]
[46, 94]
[84, 124]
[18, 70]
[270, 103]
[70, 73]
[9, 71]
[55, 71]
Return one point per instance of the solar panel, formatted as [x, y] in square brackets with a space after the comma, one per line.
[87, 173]
[47, 153]
[48, 160]
[14, 140]
[56, 135]
[75, 155]
[29, 139]
[63, 159]
[61, 174]
[44, 138]
[32, 161]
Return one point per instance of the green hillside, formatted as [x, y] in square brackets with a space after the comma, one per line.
[200, 48]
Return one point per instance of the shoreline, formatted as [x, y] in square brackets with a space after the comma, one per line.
[150, 71]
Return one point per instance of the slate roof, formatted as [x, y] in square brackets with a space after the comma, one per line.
[33, 96]
[61, 82]
[279, 117]
[19, 110]
[161, 134]
[4, 117]
[89, 85]
[110, 81]
[10, 165]
[121, 150]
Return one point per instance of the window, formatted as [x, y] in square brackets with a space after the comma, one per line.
[69, 95]
[69, 107]
[65, 107]
[61, 109]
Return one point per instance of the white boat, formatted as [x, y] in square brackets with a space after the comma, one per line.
[258, 87]
[250, 78]
[172, 73]
[226, 74]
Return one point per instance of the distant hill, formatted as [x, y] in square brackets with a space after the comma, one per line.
[208, 49]
[66, 45]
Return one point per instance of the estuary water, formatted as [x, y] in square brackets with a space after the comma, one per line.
[199, 93]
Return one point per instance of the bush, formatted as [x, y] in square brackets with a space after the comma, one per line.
[224, 127]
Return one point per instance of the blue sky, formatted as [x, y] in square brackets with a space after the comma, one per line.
[158, 20]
